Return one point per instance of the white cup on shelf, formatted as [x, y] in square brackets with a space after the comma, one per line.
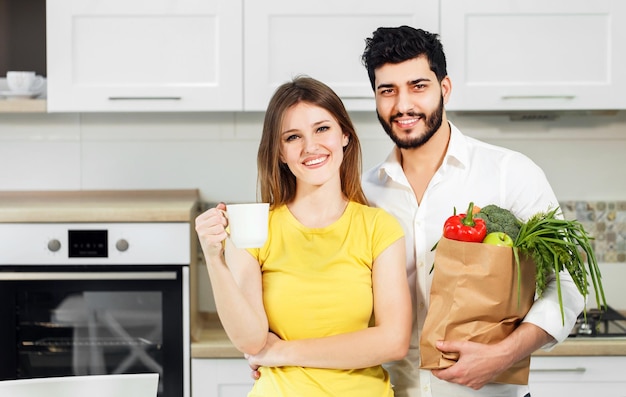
[25, 82]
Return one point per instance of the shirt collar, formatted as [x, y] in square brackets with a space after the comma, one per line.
[392, 166]
[456, 155]
[458, 151]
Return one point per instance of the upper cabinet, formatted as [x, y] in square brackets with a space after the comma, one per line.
[150, 55]
[535, 54]
[323, 39]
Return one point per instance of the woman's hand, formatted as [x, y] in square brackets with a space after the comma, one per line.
[211, 229]
[269, 356]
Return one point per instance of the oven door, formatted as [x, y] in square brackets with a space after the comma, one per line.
[95, 320]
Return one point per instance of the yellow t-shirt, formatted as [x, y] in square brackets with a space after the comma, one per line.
[316, 283]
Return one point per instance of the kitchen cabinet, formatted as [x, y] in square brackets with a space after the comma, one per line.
[224, 377]
[533, 54]
[323, 39]
[156, 55]
[577, 376]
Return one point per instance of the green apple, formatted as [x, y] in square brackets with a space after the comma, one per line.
[498, 238]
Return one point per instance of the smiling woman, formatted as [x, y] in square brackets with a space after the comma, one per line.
[329, 260]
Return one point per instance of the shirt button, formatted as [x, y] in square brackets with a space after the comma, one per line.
[420, 265]
[421, 306]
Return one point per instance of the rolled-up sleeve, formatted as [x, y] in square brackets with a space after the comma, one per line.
[546, 310]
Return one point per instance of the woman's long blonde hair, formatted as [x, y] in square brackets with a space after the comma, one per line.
[276, 183]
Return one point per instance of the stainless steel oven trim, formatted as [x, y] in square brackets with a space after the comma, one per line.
[28, 276]
[186, 334]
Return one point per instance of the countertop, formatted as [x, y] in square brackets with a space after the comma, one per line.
[98, 206]
[211, 342]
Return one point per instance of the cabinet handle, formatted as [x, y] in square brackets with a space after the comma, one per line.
[144, 98]
[549, 370]
[518, 97]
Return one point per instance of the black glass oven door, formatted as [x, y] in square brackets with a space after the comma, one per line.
[86, 322]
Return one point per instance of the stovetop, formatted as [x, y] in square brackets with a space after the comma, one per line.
[600, 323]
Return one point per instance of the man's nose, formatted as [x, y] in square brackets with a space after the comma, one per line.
[404, 103]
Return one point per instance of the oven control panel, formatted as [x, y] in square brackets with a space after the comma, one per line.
[95, 243]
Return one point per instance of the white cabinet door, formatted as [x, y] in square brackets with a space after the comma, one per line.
[323, 39]
[577, 376]
[535, 54]
[224, 377]
[144, 55]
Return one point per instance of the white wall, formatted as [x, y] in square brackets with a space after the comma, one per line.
[216, 153]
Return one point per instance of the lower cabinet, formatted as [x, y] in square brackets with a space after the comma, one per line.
[552, 376]
[220, 377]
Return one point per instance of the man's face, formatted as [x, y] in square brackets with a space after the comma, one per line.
[410, 101]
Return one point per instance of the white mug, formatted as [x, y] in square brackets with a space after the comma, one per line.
[24, 82]
[248, 224]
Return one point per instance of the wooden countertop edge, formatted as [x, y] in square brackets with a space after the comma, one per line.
[98, 206]
[212, 342]
[38, 105]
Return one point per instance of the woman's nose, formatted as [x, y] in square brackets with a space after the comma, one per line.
[310, 145]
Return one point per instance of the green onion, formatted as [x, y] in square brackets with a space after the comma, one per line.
[556, 244]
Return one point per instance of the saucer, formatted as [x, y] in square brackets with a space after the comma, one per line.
[19, 95]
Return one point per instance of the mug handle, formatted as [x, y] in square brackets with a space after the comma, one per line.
[37, 84]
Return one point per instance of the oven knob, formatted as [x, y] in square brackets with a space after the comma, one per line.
[54, 245]
[121, 245]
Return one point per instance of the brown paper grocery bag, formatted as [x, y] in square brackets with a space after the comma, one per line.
[474, 297]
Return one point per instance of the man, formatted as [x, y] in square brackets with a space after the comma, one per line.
[433, 169]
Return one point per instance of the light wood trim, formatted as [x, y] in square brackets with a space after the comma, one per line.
[23, 106]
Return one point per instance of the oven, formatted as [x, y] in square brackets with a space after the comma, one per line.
[96, 298]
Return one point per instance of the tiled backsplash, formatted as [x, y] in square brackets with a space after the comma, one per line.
[606, 222]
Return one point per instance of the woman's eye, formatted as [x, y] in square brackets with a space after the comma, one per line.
[323, 128]
[291, 138]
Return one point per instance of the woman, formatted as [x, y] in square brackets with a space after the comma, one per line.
[329, 284]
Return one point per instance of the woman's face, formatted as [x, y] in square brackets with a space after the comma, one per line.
[311, 144]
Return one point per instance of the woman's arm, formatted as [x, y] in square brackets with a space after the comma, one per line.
[387, 340]
[236, 282]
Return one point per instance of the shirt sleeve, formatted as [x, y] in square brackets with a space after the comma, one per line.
[387, 231]
[527, 198]
[546, 312]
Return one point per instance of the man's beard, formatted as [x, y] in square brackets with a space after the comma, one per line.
[432, 124]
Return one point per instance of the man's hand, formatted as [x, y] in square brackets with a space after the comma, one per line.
[478, 363]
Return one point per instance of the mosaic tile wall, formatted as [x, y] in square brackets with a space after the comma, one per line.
[606, 222]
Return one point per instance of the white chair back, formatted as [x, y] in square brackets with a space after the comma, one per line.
[118, 385]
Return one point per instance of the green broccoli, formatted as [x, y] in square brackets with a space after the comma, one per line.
[500, 220]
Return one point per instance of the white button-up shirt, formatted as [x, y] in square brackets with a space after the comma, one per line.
[471, 171]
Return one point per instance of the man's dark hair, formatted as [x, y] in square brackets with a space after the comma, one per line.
[396, 45]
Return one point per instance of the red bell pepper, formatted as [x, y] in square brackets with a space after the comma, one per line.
[464, 227]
